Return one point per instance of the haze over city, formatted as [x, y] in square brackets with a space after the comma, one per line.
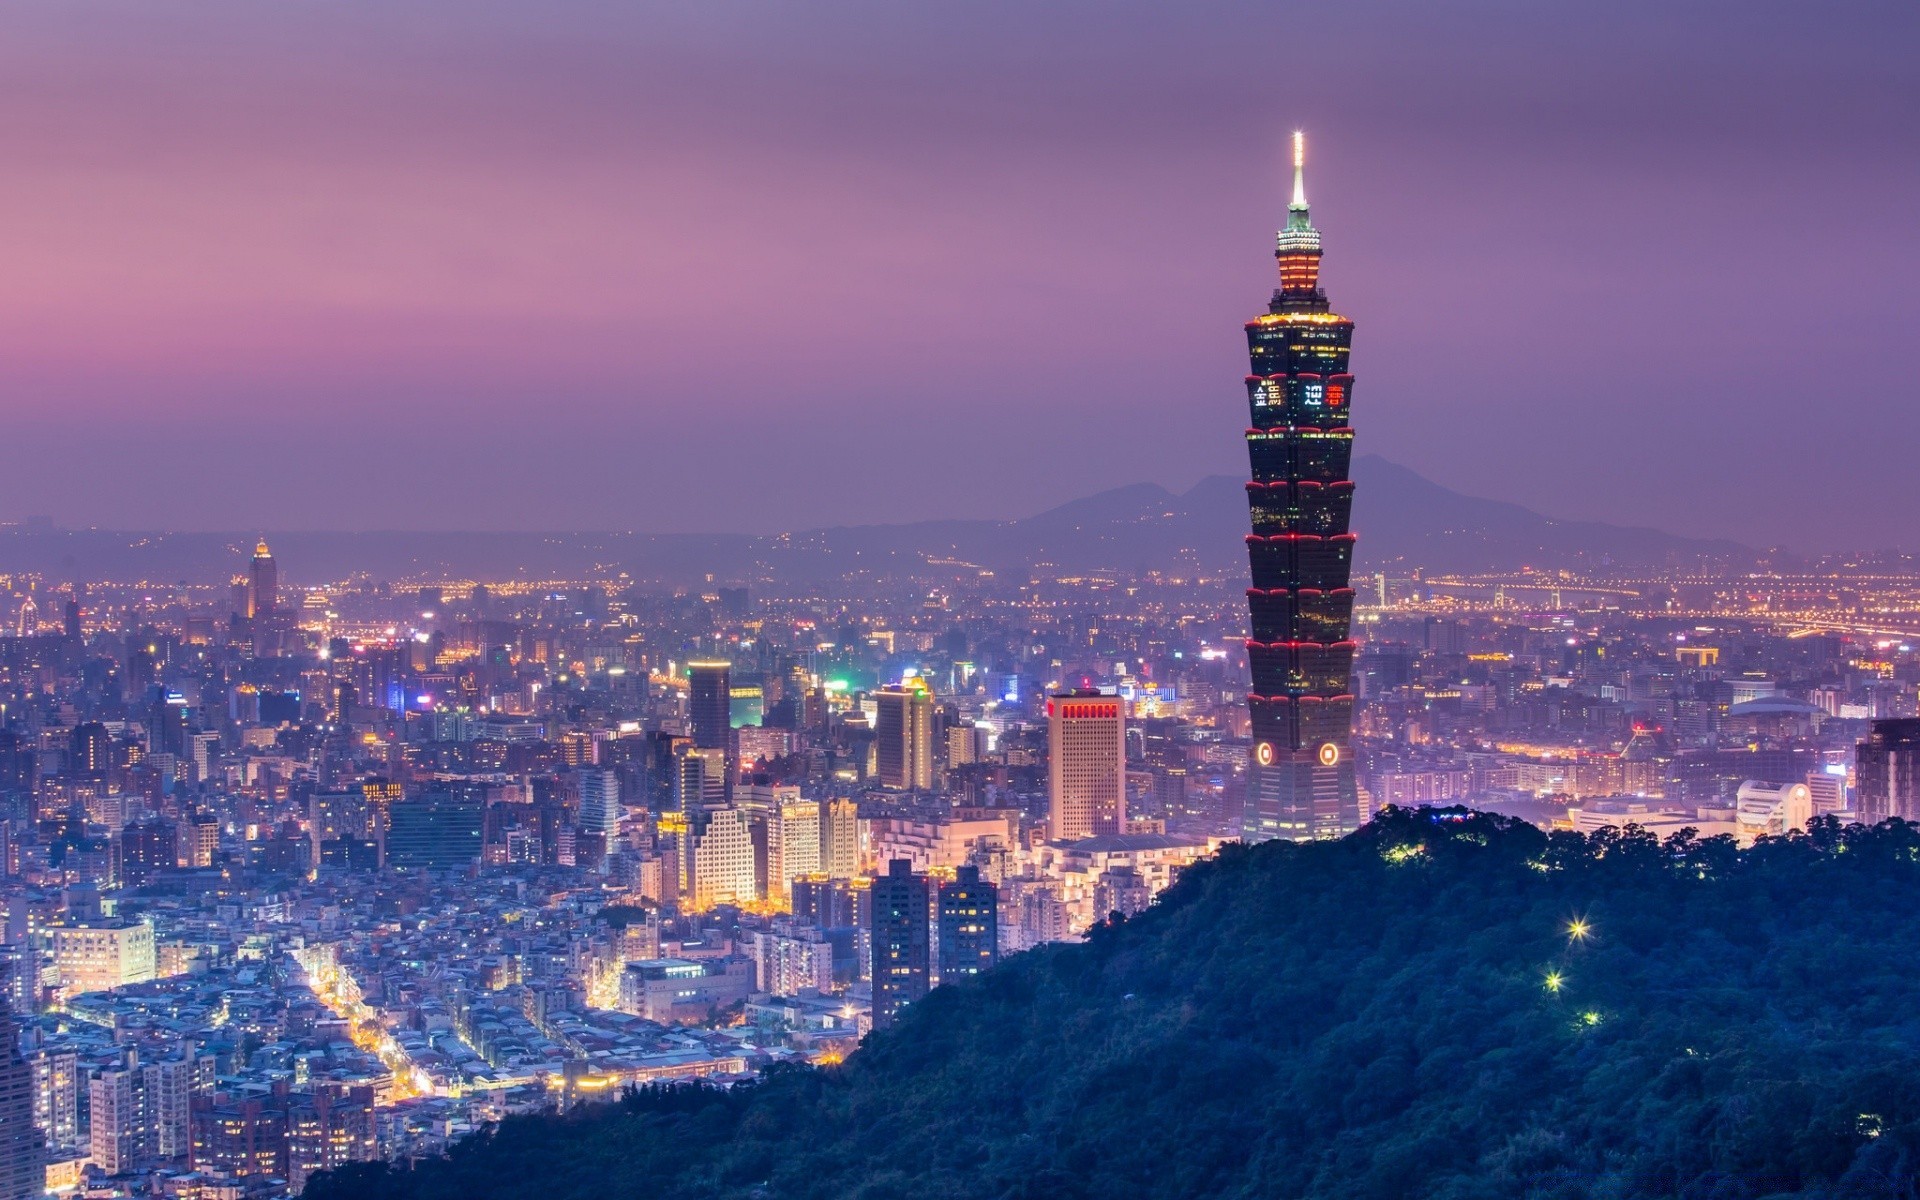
[1046, 601]
[492, 266]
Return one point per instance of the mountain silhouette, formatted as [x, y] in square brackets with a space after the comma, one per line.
[1404, 521]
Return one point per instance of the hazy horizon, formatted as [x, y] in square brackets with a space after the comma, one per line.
[1385, 511]
[683, 266]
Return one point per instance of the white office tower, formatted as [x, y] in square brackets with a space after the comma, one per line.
[840, 839]
[717, 860]
[1087, 765]
[793, 847]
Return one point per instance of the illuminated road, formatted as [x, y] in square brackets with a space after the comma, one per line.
[340, 992]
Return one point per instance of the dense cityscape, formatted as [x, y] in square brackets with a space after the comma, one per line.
[315, 872]
[331, 866]
[302, 873]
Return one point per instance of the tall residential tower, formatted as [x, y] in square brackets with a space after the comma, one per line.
[1300, 443]
[900, 931]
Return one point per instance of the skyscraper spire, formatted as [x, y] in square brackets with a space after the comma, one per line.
[1298, 206]
[1297, 246]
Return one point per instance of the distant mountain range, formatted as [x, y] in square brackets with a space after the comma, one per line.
[1404, 521]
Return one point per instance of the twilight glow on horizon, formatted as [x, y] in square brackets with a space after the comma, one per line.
[750, 266]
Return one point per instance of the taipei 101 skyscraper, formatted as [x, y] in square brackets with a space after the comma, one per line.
[1300, 443]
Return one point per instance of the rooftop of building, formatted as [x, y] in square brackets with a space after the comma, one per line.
[1120, 843]
[1767, 706]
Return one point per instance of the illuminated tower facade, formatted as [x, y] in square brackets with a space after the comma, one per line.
[1300, 444]
[263, 590]
[903, 736]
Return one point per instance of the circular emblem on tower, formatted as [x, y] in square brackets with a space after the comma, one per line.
[1263, 754]
[1329, 754]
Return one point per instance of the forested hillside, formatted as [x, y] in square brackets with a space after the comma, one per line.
[1442, 1005]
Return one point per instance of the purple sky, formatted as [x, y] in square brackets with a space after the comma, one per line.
[474, 264]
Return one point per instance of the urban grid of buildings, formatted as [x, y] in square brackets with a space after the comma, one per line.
[296, 874]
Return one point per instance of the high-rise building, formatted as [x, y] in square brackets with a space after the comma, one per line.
[56, 1096]
[903, 737]
[328, 1130]
[710, 704]
[1087, 765]
[89, 751]
[840, 839]
[966, 744]
[789, 959]
[1299, 444]
[700, 777]
[793, 846]
[245, 1135]
[203, 749]
[17, 755]
[716, 859]
[22, 1148]
[1887, 772]
[96, 955]
[199, 841]
[340, 824]
[263, 582]
[762, 743]
[898, 937]
[435, 832]
[600, 801]
[134, 1111]
[824, 903]
[167, 724]
[969, 925]
[576, 748]
[113, 1121]
[147, 848]
[660, 755]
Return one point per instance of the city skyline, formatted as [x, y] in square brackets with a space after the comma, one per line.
[590, 604]
[286, 245]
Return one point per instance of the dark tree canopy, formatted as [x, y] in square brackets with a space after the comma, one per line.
[1442, 1005]
[622, 915]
